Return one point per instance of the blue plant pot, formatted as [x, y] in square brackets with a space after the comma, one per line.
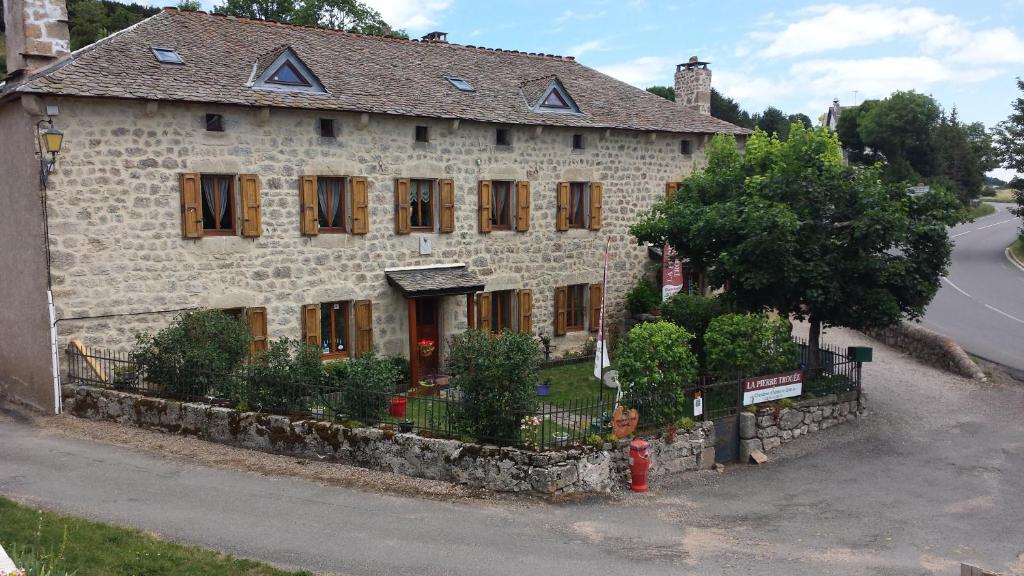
[543, 389]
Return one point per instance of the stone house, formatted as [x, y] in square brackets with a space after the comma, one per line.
[358, 192]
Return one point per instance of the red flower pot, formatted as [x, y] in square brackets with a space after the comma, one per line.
[398, 406]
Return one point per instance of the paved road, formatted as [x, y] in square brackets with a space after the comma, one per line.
[981, 302]
[932, 477]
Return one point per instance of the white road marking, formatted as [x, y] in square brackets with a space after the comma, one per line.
[997, 223]
[997, 310]
[961, 234]
[957, 288]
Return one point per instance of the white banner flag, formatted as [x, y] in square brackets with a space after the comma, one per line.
[601, 360]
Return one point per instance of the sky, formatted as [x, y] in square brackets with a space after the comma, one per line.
[796, 56]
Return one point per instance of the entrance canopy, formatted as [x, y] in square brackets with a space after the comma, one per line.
[442, 280]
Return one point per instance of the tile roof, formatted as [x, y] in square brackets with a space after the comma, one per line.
[361, 73]
[435, 281]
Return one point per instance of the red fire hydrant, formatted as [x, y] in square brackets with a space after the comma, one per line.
[398, 406]
[639, 463]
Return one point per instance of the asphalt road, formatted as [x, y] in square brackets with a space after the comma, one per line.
[933, 476]
[981, 302]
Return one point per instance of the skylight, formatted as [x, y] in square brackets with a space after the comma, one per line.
[167, 56]
[461, 84]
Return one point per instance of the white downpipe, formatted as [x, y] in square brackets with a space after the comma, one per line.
[54, 355]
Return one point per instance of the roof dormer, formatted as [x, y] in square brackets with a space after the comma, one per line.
[282, 70]
[548, 94]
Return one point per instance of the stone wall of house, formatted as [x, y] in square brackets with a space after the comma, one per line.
[120, 264]
[767, 429]
[930, 347]
[578, 469]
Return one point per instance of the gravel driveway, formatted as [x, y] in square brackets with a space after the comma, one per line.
[933, 476]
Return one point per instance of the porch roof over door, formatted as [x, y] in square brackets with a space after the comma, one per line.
[441, 280]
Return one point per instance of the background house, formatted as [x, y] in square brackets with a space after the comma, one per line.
[359, 192]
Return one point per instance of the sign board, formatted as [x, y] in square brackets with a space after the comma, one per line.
[772, 387]
[671, 273]
[698, 405]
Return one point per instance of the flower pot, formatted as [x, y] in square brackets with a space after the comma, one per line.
[398, 404]
[426, 351]
[405, 426]
[560, 438]
[543, 389]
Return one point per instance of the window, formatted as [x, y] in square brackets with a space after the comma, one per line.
[501, 205]
[575, 307]
[218, 197]
[503, 137]
[422, 134]
[214, 122]
[288, 75]
[421, 204]
[167, 56]
[327, 128]
[330, 194]
[579, 200]
[461, 84]
[501, 310]
[334, 336]
[554, 99]
[577, 142]
[685, 147]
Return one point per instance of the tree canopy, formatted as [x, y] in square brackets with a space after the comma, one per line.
[788, 226]
[1009, 144]
[348, 15]
[722, 107]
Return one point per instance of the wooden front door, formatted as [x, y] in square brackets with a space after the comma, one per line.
[427, 328]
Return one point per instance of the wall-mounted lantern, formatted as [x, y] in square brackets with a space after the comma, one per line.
[50, 141]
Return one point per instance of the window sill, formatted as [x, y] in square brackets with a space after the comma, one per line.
[333, 231]
[219, 232]
[503, 148]
[334, 356]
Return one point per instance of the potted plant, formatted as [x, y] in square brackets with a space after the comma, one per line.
[560, 438]
[426, 347]
[544, 388]
[405, 426]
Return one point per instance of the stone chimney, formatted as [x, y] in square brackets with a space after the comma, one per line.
[37, 33]
[693, 85]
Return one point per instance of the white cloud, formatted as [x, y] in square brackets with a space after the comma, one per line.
[644, 71]
[571, 15]
[589, 46]
[413, 15]
[991, 46]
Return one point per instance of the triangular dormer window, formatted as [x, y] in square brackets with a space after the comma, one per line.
[555, 98]
[282, 70]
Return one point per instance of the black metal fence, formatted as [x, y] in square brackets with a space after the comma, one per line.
[437, 410]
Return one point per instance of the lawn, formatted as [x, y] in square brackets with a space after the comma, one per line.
[573, 384]
[978, 211]
[1018, 249]
[1001, 195]
[67, 545]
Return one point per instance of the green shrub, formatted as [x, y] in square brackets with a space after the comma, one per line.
[284, 377]
[655, 363]
[644, 297]
[749, 344]
[367, 383]
[694, 312]
[786, 403]
[611, 437]
[497, 375]
[595, 440]
[198, 354]
[686, 423]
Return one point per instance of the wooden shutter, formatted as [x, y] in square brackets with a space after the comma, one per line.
[596, 204]
[191, 206]
[447, 206]
[485, 206]
[364, 327]
[522, 206]
[403, 222]
[360, 205]
[670, 189]
[256, 318]
[252, 222]
[563, 206]
[309, 222]
[311, 325]
[561, 298]
[526, 311]
[483, 304]
[595, 307]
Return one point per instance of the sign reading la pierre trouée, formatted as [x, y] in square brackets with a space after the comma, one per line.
[772, 387]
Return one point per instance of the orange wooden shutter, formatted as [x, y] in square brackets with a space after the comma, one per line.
[364, 327]
[526, 311]
[252, 222]
[309, 222]
[522, 206]
[311, 324]
[670, 189]
[257, 320]
[595, 307]
[483, 302]
[485, 205]
[403, 222]
[447, 205]
[562, 223]
[596, 204]
[191, 206]
[360, 205]
[561, 297]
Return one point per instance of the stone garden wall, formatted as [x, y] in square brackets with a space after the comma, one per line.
[767, 429]
[928, 346]
[583, 469]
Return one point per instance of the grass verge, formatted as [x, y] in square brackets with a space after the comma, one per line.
[977, 212]
[1001, 195]
[1017, 248]
[58, 545]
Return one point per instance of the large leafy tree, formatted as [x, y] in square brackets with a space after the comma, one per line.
[901, 128]
[349, 15]
[91, 20]
[773, 121]
[788, 226]
[722, 107]
[1009, 144]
